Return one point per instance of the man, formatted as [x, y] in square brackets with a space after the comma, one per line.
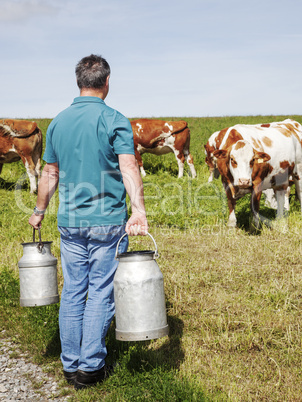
[90, 154]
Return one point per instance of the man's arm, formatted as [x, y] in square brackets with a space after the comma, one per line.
[137, 223]
[47, 187]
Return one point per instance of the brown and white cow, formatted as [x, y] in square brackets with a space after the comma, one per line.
[21, 139]
[217, 140]
[253, 158]
[160, 137]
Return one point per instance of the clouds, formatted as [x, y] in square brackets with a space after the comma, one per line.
[19, 11]
[199, 57]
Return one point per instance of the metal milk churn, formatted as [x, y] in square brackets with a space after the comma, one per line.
[38, 274]
[140, 308]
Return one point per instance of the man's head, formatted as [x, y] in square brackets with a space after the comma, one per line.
[92, 72]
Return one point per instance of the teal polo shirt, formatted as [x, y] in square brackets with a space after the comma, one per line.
[85, 140]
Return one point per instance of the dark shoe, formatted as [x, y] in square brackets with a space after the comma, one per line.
[70, 377]
[87, 379]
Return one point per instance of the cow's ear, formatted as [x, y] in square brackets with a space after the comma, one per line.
[220, 153]
[262, 157]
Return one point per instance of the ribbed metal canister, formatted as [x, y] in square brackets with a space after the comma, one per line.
[140, 307]
[38, 274]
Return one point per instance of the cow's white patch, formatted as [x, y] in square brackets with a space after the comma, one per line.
[170, 127]
[142, 170]
[242, 172]
[8, 130]
[140, 128]
[232, 220]
[170, 141]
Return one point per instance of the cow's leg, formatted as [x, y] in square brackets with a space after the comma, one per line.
[255, 206]
[140, 163]
[38, 170]
[270, 199]
[36, 159]
[181, 161]
[232, 221]
[298, 183]
[189, 159]
[1, 166]
[214, 174]
[280, 195]
[286, 200]
[211, 177]
[31, 172]
[280, 223]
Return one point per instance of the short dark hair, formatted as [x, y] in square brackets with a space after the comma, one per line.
[92, 72]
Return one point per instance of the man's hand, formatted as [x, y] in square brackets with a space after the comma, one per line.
[35, 220]
[137, 224]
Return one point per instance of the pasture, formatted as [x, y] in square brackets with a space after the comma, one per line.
[233, 298]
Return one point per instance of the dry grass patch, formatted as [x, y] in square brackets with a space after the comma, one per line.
[236, 299]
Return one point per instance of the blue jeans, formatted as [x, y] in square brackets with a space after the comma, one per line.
[87, 303]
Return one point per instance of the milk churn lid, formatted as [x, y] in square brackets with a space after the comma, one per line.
[142, 254]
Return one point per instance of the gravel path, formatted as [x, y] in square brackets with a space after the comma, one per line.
[21, 380]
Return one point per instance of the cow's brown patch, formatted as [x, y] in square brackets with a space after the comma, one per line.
[220, 137]
[292, 128]
[261, 170]
[267, 141]
[287, 166]
[233, 137]
[281, 180]
[284, 165]
[20, 128]
[239, 145]
[177, 125]
[286, 131]
[257, 144]
[267, 125]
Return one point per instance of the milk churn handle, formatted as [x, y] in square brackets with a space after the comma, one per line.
[116, 251]
[40, 244]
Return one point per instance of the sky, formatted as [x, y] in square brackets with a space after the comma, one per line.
[168, 58]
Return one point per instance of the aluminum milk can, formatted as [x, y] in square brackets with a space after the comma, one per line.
[38, 274]
[140, 308]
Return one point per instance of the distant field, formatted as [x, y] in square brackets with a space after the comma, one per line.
[233, 299]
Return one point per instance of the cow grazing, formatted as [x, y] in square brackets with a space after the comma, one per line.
[253, 158]
[161, 137]
[21, 139]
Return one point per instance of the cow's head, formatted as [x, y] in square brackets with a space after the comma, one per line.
[238, 162]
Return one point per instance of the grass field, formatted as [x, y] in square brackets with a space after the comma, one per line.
[233, 298]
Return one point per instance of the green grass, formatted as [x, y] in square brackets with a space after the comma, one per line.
[233, 298]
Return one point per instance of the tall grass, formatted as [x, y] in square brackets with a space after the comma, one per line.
[233, 298]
